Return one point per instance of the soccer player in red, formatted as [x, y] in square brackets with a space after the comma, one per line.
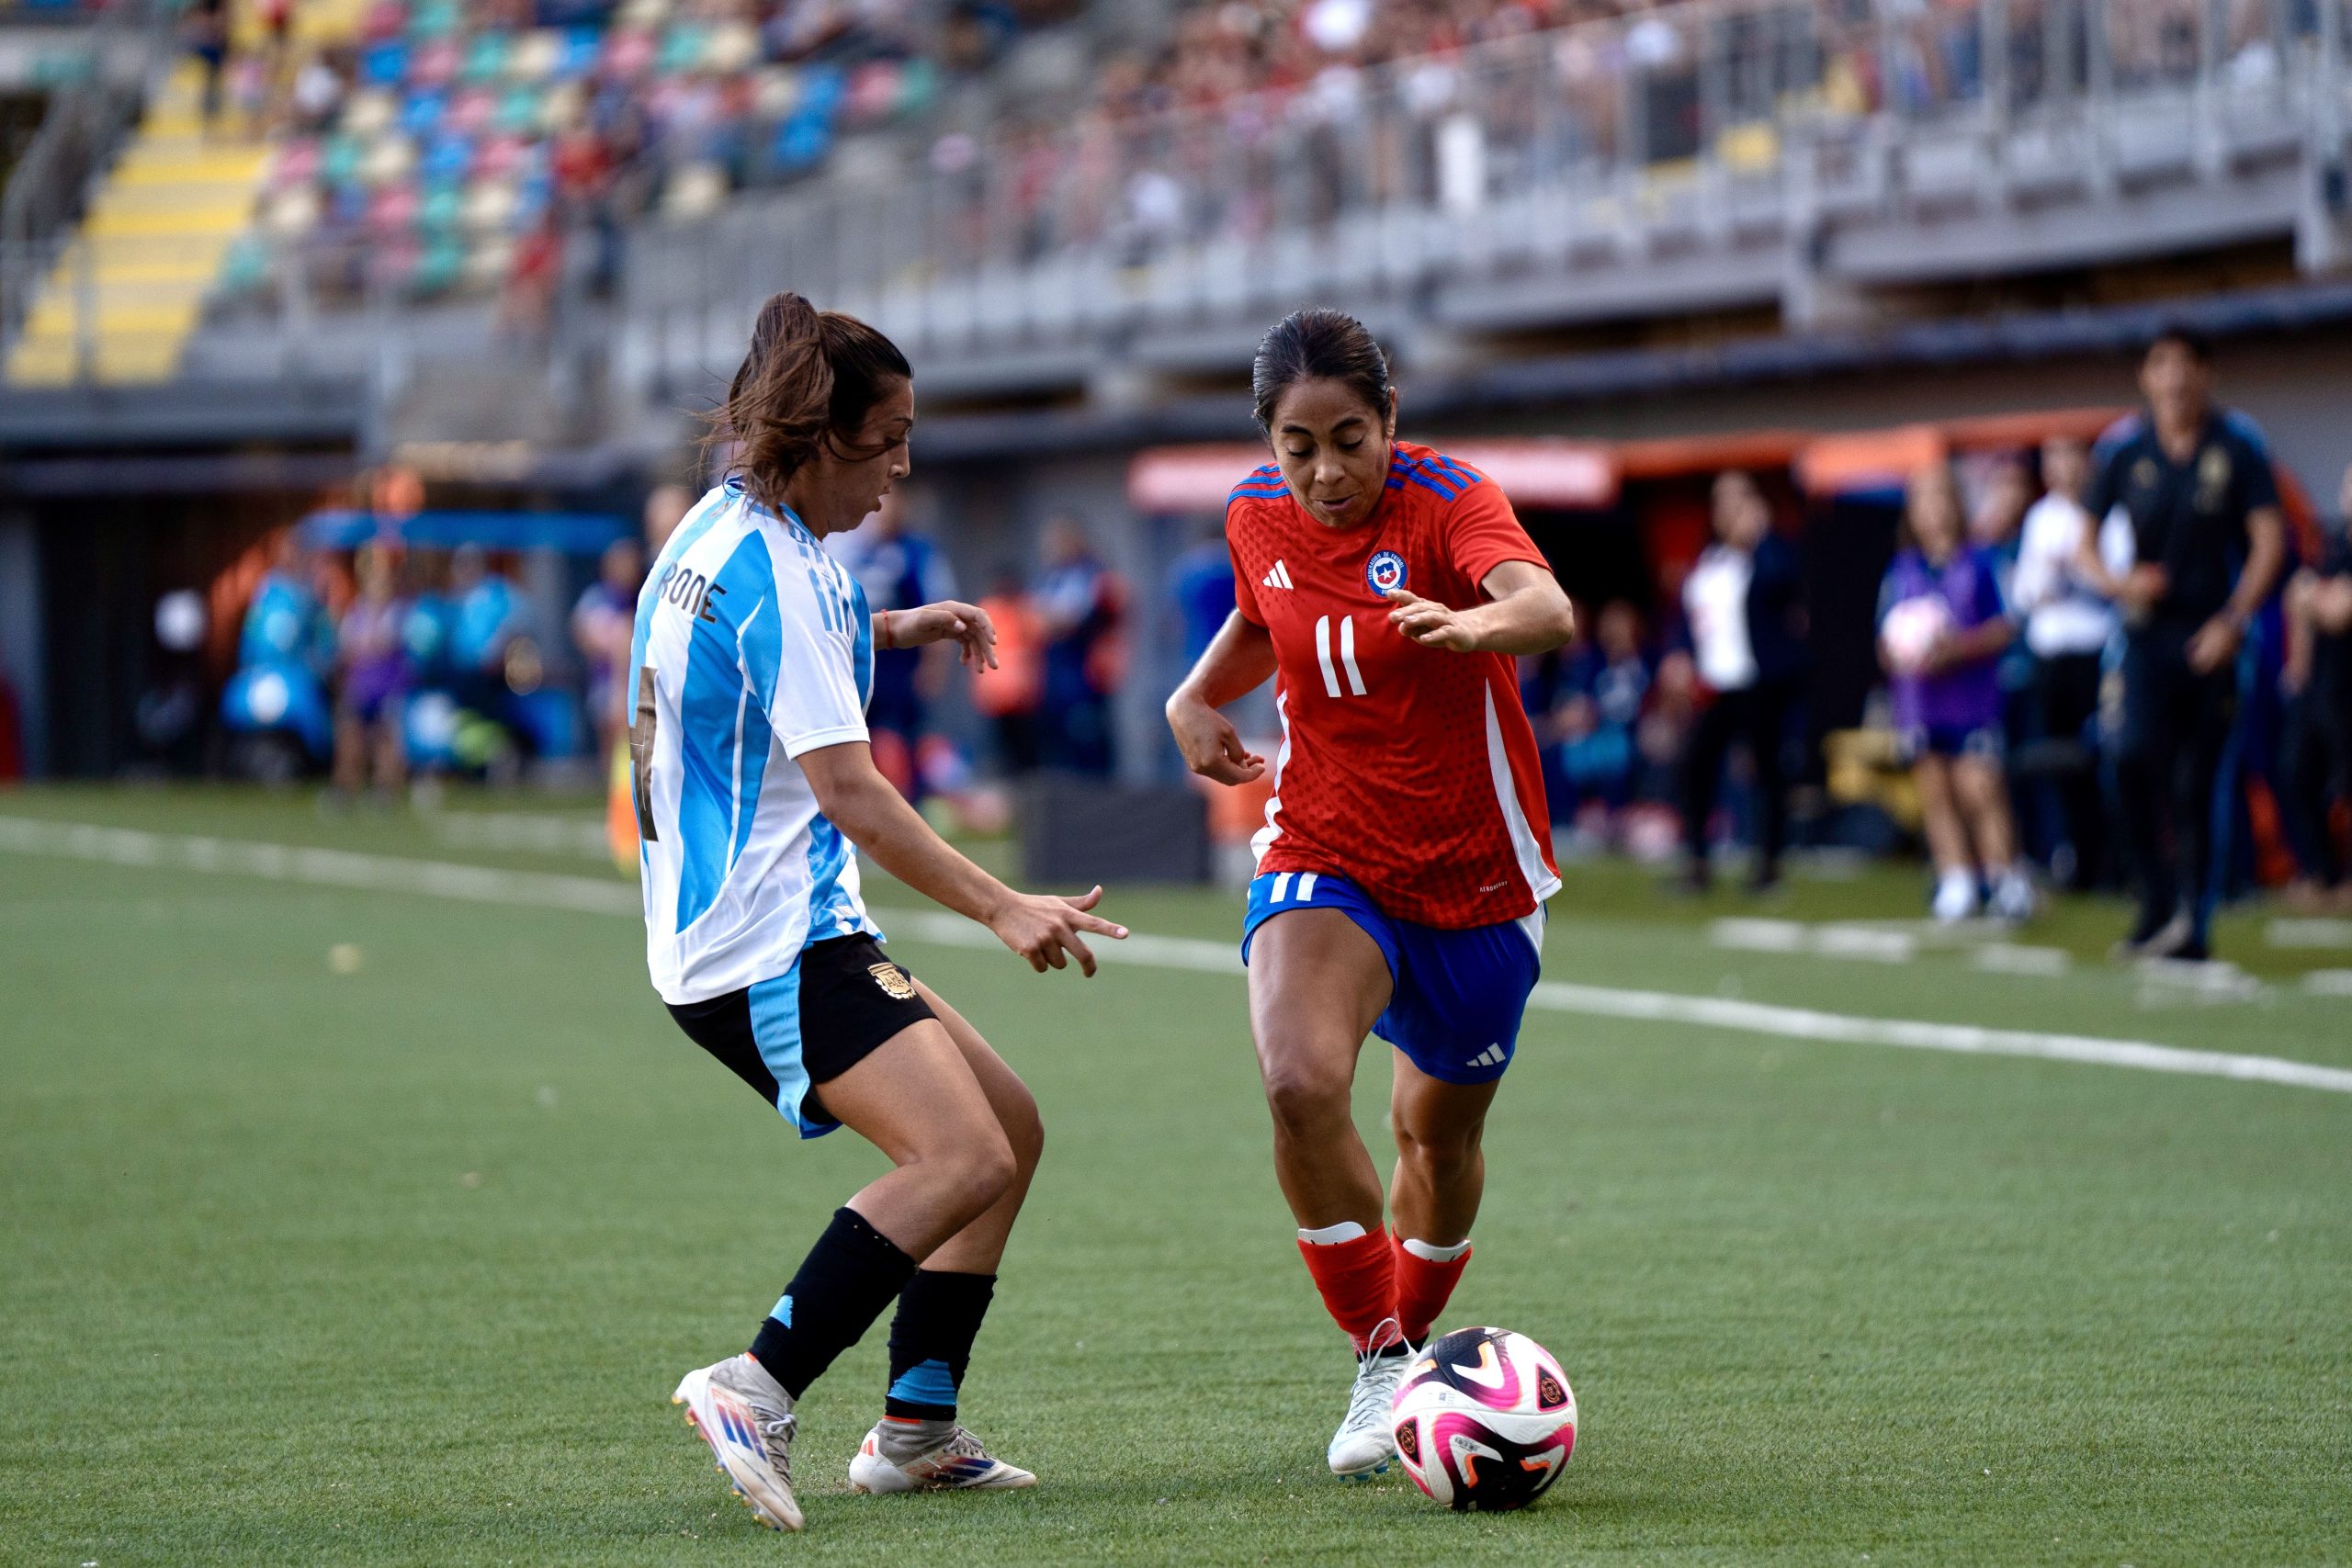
[1406, 858]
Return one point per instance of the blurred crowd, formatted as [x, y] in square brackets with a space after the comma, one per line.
[438, 145]
[387, 661]
[1062, 654]
[1258, 115]
[2100, 667]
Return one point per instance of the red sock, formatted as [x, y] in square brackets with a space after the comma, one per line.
[1423, 1288]
[1358, 1280]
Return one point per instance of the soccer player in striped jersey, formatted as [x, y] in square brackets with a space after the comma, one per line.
[1403, 868]
[751, 662]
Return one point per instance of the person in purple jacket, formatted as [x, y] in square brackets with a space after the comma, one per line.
[1943, 628]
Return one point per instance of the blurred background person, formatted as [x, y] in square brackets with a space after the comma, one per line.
[1744, 605]
[1943, 630]
[1081, 607]
[2207, 542]
[485, 619]
[287, 623]
[374, 675]
[2067, 627]
[900, 569]
[665, 507]
[2316, 767]
[601, 622]
[1010, 696]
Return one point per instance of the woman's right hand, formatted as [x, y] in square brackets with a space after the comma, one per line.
[1210, 746]
[1042, 928]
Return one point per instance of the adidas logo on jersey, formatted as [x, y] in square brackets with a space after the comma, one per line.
[1278, 577]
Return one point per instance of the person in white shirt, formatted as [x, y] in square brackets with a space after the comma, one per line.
[2067, 626]
[752, 776]
[1744, 603]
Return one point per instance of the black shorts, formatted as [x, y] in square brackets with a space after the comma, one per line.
[834, 1009]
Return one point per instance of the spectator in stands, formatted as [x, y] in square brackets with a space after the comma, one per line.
[1744, 603]
[2317, 766]
[900, 569]
[1942, 629]
[2067, 626]
[602, 621]
[1081, 607]
[375, 678]
[484, 627]
[2196, 484]
[204, 29]
[1008, 697]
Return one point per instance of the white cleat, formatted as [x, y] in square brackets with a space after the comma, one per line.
[746, 1417]
[1364, 1443]
[959, 1464]
[2013, 899]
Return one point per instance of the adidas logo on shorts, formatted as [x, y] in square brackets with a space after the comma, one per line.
[1492, 1056]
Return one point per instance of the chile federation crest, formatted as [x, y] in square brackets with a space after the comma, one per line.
[1385, 572]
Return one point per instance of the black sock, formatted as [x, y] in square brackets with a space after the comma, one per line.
[931, 1342]
[844, 1284]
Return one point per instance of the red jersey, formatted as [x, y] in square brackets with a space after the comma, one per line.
[1410, 770]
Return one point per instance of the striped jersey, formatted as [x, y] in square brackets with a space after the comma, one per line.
[751, 646]
[1410, 770]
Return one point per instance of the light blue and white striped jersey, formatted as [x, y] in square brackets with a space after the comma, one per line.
[752, 646]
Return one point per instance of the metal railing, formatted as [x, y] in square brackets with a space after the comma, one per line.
[85, 122]
[1561, 154]
[1695, 120]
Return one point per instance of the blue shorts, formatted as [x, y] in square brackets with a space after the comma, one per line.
[1457, 996]
[1980, 741]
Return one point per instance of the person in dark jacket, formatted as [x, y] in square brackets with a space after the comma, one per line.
[1744, 604]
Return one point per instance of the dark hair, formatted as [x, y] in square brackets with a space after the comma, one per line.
[807, 383]
[2186, 338]
[1318, 346]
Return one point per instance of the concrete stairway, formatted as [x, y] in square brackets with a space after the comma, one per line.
[149, 248]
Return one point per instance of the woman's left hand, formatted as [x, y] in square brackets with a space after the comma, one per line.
[967, 625]
[1429, 623]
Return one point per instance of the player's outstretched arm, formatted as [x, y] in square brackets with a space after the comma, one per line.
[856, 799]
[1526, 612]
[967, 625]
[1236, 662]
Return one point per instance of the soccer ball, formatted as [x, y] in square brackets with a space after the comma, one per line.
[1485, 1419]
[1910, 631]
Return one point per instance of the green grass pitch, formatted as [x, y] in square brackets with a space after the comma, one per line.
[399, 1265]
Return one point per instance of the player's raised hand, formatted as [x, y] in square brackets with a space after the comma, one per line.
[967, 625]
[1042, 928]
[1429, 623]
[1210, 746]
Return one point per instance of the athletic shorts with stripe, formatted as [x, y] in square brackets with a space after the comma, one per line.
[1457, 996]
[838, 1004]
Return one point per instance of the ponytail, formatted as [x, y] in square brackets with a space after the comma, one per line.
[807, 383]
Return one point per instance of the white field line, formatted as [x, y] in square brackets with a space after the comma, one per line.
[2318, 932]
[337, 868]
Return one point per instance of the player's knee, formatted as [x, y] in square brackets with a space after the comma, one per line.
[1025, 1130]
[1304, 1097]
[984, 1169]
[1440, 1154]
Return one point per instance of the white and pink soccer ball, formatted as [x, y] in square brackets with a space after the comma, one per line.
[1485, 1419]
[1911, 630]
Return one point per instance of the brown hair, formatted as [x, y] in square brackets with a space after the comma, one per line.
[807, 383]
[1318, 346]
